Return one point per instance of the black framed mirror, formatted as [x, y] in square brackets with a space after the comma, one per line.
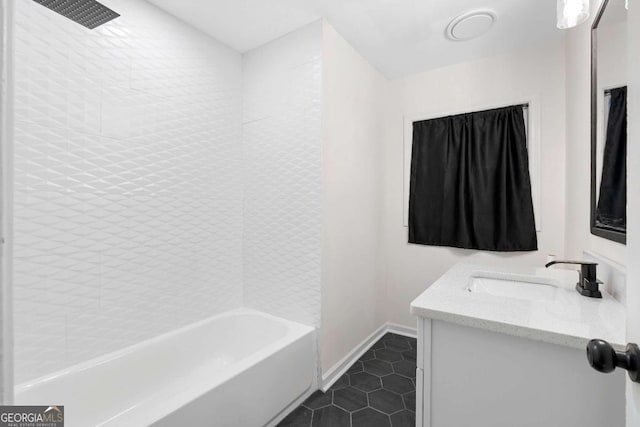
[609, 122]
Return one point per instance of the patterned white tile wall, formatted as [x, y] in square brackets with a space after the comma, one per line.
[283, 176]
[128, 182]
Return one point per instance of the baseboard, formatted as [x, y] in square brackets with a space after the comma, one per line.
[336, 371]
[406, 331]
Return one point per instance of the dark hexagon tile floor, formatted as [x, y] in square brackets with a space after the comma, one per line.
[377, 391]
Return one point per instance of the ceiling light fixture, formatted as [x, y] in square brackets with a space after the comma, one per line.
[572, 13]
[470, 25]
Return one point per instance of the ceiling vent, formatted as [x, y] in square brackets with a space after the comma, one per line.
[471, 25]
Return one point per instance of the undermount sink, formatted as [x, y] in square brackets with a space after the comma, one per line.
[531, 289]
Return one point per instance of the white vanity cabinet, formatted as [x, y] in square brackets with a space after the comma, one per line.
[474, 377]
[488, 361]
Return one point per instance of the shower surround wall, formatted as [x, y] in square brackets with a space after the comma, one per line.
[161, 178]
[282, 137]
[128, 182]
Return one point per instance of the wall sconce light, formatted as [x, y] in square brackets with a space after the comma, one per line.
[572, 13]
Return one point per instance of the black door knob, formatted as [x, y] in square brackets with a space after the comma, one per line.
[604, 358]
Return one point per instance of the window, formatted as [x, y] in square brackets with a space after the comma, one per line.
[469, 182]
[531, 115]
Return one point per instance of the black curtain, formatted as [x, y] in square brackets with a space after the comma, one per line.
[470, 185]
[612, 203]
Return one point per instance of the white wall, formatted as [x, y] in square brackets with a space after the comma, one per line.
[128, 186]
[534, 73]
[612, 55]
[282, 136]
[633, 189]
[352, 109]
[578, 236]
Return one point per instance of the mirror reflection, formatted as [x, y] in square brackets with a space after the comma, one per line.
[610, 80]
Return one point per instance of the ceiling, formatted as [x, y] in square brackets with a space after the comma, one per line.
[399, 37]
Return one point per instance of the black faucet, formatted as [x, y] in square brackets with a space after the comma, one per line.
[588, 282]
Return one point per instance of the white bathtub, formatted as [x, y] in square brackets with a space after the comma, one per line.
[239, 369]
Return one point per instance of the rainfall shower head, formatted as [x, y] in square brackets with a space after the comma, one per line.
[89, 13]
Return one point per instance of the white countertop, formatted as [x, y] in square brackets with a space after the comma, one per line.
[569, 319]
